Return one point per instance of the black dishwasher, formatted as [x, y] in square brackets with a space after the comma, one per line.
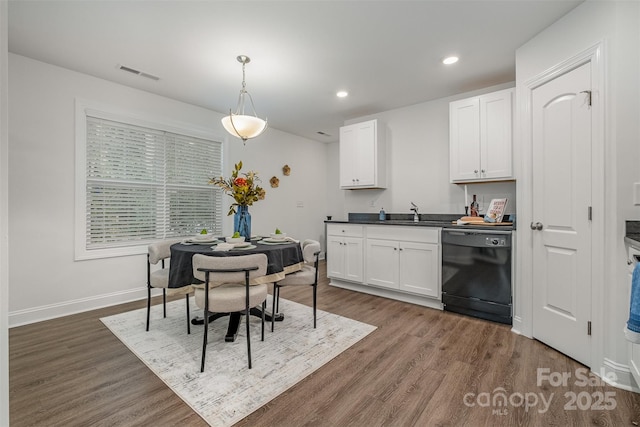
[476, 273]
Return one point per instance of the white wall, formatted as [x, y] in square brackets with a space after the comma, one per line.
[297, 206]
[41, 189]
[4, 221]
[418, 165]
[615, 23]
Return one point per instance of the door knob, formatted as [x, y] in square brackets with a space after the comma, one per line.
[536, 226]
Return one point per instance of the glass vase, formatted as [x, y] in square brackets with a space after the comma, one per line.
[242, 222]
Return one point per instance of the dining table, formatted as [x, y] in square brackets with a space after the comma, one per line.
[283, 258]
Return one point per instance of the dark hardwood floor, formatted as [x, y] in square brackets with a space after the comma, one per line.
[414, 370]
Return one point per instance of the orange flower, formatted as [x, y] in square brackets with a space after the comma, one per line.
[244, 190]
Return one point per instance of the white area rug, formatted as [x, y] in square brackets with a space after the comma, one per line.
[228, 391]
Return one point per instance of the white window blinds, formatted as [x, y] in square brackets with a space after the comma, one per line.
[144, 184]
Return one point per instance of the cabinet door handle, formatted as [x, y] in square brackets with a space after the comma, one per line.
[475, 171]
[483, 171]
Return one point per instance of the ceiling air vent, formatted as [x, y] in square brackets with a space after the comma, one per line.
[138, 73]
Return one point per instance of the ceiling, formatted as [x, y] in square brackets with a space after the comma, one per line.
[386, 54]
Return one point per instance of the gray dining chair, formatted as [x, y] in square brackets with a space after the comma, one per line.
[159, 278]
[308, 276]
[227, 289]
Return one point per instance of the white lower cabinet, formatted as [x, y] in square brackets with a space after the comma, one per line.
[344, 258]
[405, 266]
[419, 269]
[382, 263]
[400, 262]
[345, 252]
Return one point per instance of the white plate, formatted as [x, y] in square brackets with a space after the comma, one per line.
[202, 241]
[244, 248]
[274, 240]
[241, 245]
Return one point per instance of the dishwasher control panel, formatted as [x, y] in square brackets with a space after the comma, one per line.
[495, 241]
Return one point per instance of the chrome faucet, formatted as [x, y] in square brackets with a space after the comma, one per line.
[414, 208]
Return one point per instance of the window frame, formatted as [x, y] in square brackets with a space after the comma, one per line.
[86, 108]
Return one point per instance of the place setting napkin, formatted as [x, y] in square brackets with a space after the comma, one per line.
[291, 240]
[284, 241]
[224, 247]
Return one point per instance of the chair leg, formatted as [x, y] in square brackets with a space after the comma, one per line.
[148, 305]
[246, 319]
[206, 320]
[264, 307]
[204, 341]
[164, 302]
[188, 316]
[273, 305]
[315, 299]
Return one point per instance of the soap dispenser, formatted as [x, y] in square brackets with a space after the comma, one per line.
[383, 215]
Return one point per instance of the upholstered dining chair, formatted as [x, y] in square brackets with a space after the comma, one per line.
[227, 289]
[159, 252]
[308, 276]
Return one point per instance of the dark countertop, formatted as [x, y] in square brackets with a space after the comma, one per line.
[632, 233]
[426, 220]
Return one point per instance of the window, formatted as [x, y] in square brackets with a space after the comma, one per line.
[142, 183]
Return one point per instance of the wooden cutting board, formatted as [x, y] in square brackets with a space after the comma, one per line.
[486, 223]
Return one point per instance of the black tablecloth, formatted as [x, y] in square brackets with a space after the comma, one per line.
[281, 259]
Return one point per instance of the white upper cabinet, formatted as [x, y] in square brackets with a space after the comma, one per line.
[362, 156]
[480, 137]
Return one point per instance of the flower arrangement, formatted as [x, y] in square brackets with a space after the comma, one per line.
[242, 187]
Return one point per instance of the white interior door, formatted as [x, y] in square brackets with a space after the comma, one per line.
[561, 135]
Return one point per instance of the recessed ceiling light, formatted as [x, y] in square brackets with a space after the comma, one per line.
[450, 60]
[342, 93]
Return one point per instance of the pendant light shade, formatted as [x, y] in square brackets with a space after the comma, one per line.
[239, 124]
[243, 126]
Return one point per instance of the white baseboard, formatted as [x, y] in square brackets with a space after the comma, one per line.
[617, 375]
[388, 293]
[52, 311]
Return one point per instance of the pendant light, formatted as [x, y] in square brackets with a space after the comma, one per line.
[239, 124]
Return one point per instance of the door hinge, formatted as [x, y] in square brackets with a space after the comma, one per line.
[589, 327]
[590, 213]
[588, 100]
